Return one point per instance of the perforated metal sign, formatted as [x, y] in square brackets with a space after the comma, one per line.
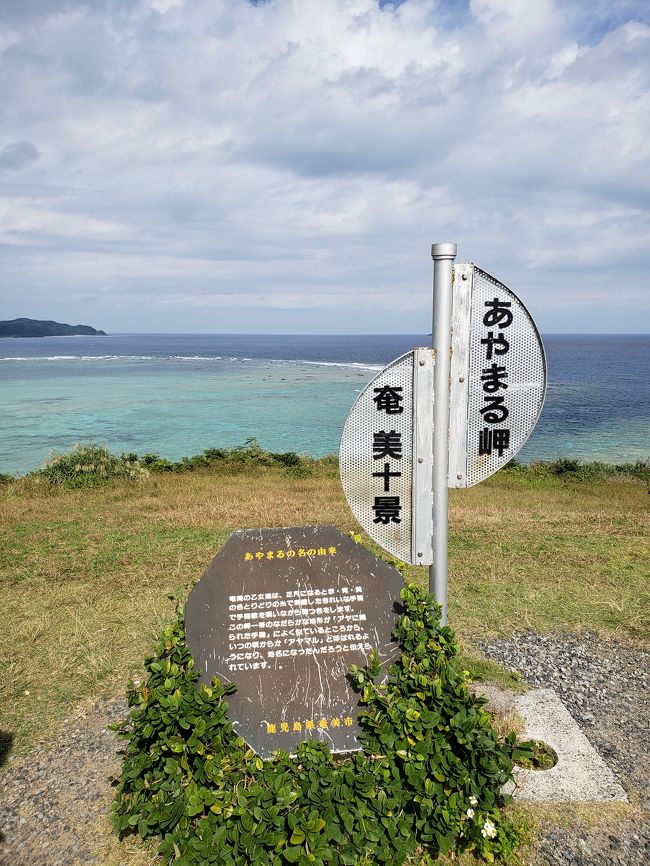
[385, 457]
[498, 376]
[497, 386]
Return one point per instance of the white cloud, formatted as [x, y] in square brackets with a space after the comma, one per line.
[308, 153]
[31, 218]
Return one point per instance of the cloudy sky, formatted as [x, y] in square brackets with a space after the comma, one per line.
[284, 166]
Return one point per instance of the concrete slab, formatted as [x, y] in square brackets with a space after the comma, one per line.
[580, 773]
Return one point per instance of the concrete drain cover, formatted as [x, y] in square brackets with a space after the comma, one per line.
[580, 773]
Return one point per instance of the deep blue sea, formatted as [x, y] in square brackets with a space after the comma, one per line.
[178, 394]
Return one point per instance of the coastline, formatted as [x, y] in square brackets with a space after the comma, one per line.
[179, 395]
[251, 453]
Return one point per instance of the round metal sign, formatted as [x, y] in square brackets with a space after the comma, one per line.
[496, 394]
[498, 376]
[376, 454]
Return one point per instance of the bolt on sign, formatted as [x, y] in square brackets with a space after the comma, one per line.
[283, 613]
[497, 386]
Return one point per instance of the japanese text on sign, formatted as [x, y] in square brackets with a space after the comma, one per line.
[297, 727]
[387, 446]
[289, 553]
[269, 626]
[496, 319]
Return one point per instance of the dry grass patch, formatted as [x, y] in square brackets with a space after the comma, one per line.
[248, 501]
[547, 558]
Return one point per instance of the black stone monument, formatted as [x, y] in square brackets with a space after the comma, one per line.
[283, 613]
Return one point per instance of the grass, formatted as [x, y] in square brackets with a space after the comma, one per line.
[543, 757]
[89, 575]
[565, 554]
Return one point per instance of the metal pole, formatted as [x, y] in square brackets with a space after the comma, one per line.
[443, 259]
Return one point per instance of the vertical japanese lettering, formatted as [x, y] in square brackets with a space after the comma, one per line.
[499, 313]
[387, 446]
[387, 509]
[494, 378]
[389, 400]
[386, 474]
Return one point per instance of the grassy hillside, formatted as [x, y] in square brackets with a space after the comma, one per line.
[88, 574]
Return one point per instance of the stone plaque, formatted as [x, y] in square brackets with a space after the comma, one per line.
[283, 613]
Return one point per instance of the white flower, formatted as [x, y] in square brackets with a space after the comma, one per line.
[473, 801]
[470, 813]
[488, 829]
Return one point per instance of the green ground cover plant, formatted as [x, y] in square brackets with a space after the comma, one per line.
[429, 775]
[541, 757]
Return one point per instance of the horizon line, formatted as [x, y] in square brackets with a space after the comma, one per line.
[325, 334]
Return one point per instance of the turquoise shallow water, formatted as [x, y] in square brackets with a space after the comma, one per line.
[176, 408]
[177, 395]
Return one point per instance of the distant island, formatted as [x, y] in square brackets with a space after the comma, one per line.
[37, 328]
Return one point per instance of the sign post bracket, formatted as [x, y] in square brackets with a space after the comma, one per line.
[422, 456]
[459, 378]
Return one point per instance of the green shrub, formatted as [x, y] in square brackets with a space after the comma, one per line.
[6, 479]
[89, 465]
[428, 778]
[569, 469]
[564, 466]
[154, 463]
[245, 456]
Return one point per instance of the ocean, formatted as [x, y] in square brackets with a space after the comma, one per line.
[178, 394]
